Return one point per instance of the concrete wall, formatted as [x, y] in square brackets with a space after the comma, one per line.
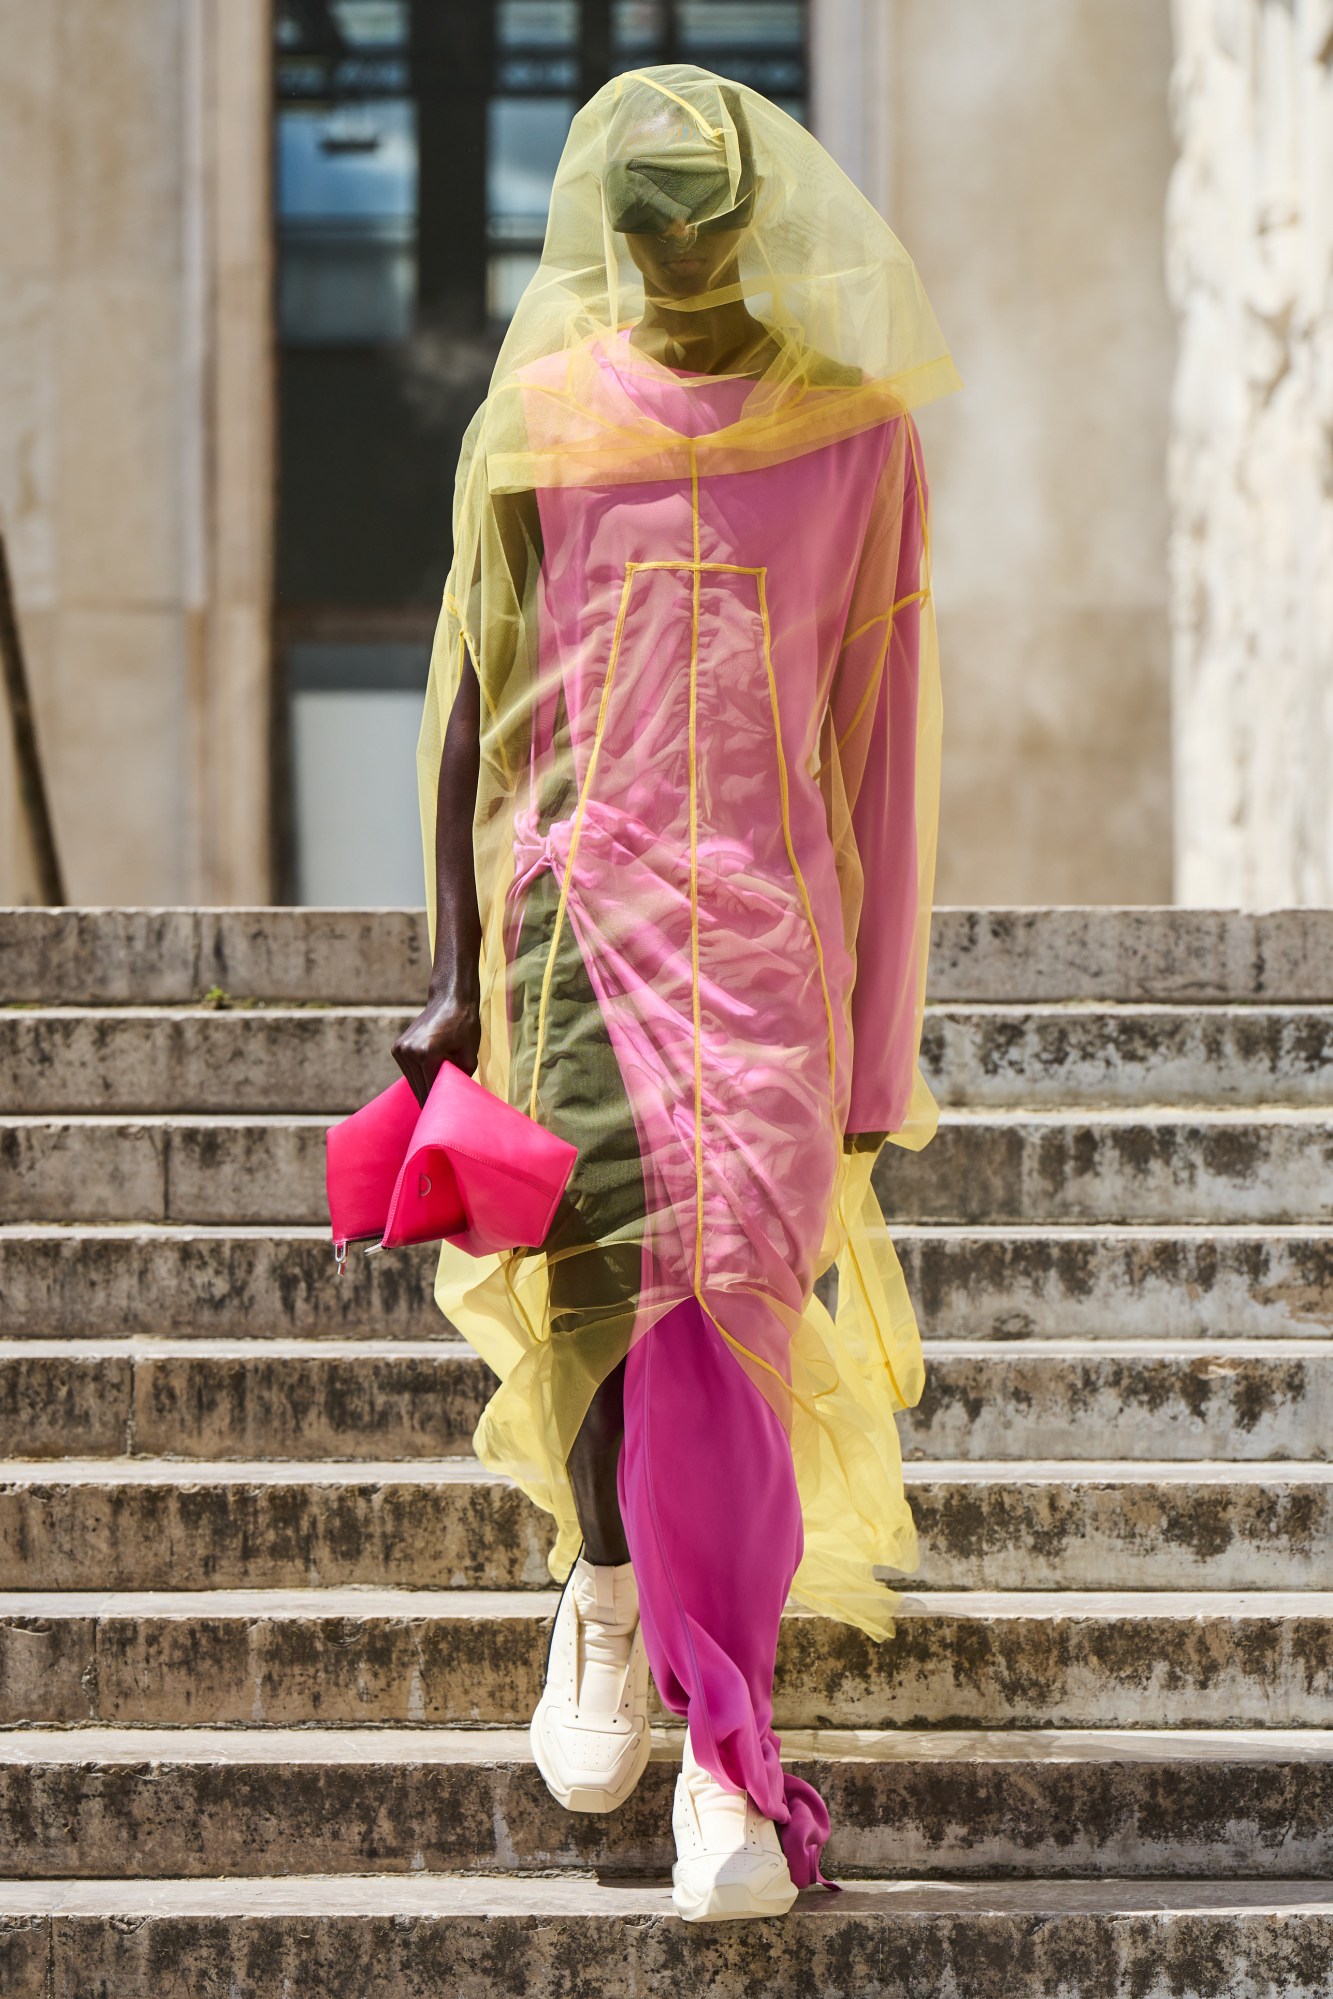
[1028, 154]
[127, 235]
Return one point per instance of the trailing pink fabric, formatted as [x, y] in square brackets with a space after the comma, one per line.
[713, 1519]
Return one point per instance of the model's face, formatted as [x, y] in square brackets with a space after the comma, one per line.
[684, 260]
[678, 258]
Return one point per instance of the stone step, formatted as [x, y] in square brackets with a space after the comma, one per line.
[135, 957]
[489, 1937]
[1163, 952]
[330, 1060]
[241, 1399]
[904, 1803]
[1228, 1167]
[154, 1169]
[1246, 1400]
[1057, 1054]
[1145, 1166]
[449, 1658]
[1241, 1400]
[159, 1060]
[118, 1280]
[145, 1523]
[73, 1281]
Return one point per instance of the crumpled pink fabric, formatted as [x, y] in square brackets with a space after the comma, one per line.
[711, 1511]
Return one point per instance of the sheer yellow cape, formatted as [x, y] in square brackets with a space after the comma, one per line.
[846, 346]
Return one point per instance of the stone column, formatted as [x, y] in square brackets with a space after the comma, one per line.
[136, 453]
[230, 469]
[1022, 152]
[1250, 272]
[851, 95]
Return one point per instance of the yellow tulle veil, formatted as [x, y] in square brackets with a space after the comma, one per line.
[604, 593]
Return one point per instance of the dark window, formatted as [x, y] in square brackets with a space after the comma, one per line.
[415, 141]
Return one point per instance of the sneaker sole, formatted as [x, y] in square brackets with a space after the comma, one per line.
[730, 1902]
[590, 1797]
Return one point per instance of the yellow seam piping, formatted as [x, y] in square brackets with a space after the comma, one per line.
[787, 840]
[577, 829]
[631, 433]
[870, 1313]
[696, 584]
[759, 574]
[741, 1348]
[879, 618]
[921, 594]
[517, 1303]
[914, 596]
[920, 498]
[709, 131]
[729, 568]
[872, 689]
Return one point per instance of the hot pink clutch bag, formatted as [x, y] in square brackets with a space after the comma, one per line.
[465, 1168]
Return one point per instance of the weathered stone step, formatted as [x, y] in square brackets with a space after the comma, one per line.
[117, 1280]
[400, 1399]
[1229, 1167]
[154, 1523]
[446, 1523]
[330, 1060]
[69, 1281]
[120, 957]
[154, 1169]
[1165, 952]
[1183, 1281]
[489, 1937]
[1136, 1166]
[985, 1057]
[1242, 1400]
[905, 1803]
[449, 1658]
[159, 1060]
[241, 1398]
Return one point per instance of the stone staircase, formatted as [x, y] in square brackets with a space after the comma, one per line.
[269, 1637]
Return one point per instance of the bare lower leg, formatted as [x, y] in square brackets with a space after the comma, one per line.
[593, 1463]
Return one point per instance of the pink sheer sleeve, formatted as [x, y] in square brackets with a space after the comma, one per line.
[887, 737]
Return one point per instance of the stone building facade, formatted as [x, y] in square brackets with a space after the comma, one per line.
[1132, 495]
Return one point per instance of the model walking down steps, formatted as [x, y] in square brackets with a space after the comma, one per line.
[682, 740]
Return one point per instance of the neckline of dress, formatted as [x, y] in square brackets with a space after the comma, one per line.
[690, 375]
[626, 362]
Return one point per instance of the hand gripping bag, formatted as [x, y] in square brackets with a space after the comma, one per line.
[465, 1168]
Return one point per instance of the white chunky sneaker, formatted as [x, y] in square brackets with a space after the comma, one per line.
[590, 1732]
[730, 1861]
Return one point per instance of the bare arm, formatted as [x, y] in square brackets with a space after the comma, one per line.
[448, 1029]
